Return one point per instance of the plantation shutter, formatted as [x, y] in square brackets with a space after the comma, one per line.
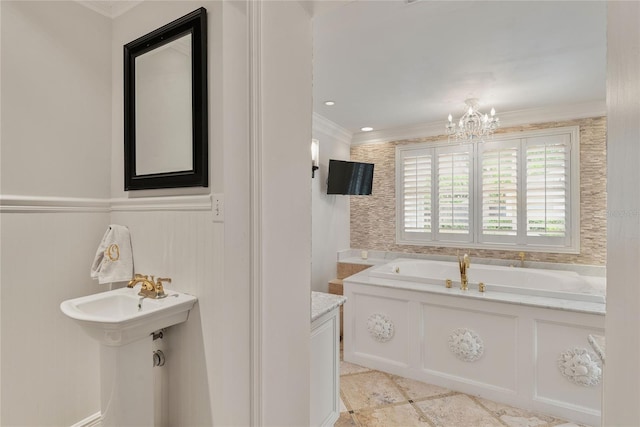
[416, 190]
[499, 189]
[454, 168]
[517, 192]
[547, 170]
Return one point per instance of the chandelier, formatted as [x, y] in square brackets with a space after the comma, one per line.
[473, 124]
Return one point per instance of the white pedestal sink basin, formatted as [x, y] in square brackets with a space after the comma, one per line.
[122, 322]
[118, 317]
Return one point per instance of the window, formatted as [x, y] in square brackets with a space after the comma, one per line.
[509, 192]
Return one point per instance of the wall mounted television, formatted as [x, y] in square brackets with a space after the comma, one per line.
[350, 178]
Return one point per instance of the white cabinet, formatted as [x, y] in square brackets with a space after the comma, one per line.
[325, 369]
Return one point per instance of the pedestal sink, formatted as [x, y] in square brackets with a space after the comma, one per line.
[122, 322]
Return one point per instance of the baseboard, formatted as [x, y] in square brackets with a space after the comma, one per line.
[94, 420]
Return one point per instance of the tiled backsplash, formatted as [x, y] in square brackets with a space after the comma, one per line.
[373, 217]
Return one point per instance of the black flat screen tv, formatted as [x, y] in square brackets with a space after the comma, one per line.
[350, 178]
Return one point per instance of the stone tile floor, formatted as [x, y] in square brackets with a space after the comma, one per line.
[372, 398]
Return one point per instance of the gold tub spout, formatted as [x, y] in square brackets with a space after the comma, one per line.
[464, 263]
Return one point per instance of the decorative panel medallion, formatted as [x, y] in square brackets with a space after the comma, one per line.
[466, 345]
[380, 327]
[580, 366]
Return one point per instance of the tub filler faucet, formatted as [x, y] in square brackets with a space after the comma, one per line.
[148, 287]
[464, 263]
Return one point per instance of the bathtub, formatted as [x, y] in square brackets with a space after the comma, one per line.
[566, 285]
[522, 342]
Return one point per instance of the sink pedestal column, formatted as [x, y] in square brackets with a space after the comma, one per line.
[126, 384]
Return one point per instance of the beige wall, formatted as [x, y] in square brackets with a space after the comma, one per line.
[373, 218]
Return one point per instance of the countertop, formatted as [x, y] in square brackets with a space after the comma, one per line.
[322, 303]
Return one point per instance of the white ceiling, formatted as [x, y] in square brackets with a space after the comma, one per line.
[392, 64]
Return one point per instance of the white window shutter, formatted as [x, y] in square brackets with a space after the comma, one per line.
[547, 166]
[499, 190]
[454, 190]
[416, 192]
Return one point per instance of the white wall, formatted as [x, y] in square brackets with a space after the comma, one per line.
[622, 372]
[330, 213]
[65, 63]
[55, 161]
[209, 364]
[285, 211]
[56, 113]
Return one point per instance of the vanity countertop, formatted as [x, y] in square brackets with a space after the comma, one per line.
[322, 303]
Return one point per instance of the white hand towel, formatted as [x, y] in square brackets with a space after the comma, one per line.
[114, 258]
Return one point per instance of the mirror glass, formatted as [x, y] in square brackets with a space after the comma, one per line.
[165, 108]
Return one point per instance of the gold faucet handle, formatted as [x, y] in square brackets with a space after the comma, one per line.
[159, 285]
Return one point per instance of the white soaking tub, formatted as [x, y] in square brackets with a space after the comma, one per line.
[567, 285]
[523, 342]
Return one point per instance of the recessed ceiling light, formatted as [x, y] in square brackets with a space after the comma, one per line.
[329, 103]
[366, 129]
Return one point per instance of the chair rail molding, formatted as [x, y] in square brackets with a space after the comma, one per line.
[47, 204]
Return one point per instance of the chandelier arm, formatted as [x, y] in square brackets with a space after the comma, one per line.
[473, 123]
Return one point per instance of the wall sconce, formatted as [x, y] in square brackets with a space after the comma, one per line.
[315, 152]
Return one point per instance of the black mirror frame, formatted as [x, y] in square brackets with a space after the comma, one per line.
[196, 24]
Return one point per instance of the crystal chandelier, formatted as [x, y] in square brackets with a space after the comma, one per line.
[473, 124]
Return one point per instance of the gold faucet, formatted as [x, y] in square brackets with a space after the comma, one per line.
[521, 255]
[150, 288]
[464, 263]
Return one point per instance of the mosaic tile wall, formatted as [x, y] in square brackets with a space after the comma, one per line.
[373, 217]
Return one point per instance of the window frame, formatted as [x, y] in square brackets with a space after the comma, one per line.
[477, 239]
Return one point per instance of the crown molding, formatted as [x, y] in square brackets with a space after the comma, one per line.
[334, 130]
[94, 420]
[110, 9]
[508, 119]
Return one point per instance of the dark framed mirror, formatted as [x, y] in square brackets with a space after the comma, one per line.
[165, 106]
